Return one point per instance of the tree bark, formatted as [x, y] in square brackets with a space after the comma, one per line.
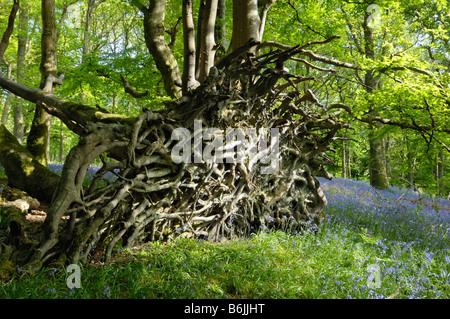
[201, 14]
[246, 23]
[87, 29]
[6, 108]
[39, 138]
[220, 27]
[411, 161]
[377, 164]
[266, 5]
[344, 159]
[440, 171]
[4, 42]
[206, 57]
[23, 171]
[157, 46]
[61, 142]
[21, 53]
[189, 81]
[9, 98]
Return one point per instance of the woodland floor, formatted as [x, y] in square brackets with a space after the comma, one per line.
[406, 238]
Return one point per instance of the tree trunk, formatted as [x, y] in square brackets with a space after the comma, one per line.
[21, 52]
[440, 171]
[220, 27]
[9, 98]
[410, 158]
[23, 171]
[87, 29]
[157, 46]
[206, 57]
[387, 158]
[246, 23]
[201, 14]
[6, 108]
[344, 159]
[266, 5]
[189, 81]
[61, 142]
[39, 137]
[4, 42]
[377, 164]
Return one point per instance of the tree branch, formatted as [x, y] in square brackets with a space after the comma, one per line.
[132, 91]
[9, 29]
[263, 17]
[78, 113]
[403, 125]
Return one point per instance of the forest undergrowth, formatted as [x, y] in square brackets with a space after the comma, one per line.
[403, 234]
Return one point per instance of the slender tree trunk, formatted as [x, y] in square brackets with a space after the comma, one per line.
[349, 162]
[87, 30]
[387, 158]
[266, 5]
[21, 53]
[440, 171]
[201, 13]
[220, 28]
[189, 81]
[61, 142]
[410, 160]
[206, 57]
[38, 139]
[6, 108]
[87, 39]
[377, 165]
[4, 42]
[344, 159]
[9, 98]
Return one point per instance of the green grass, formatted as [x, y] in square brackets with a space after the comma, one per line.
[332, 263]
[275, 265]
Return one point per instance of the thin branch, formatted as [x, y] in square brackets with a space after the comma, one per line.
[312, 65]
[404, 125]
[263, 17]
[302, 23]
[173, 33]
[132, 91]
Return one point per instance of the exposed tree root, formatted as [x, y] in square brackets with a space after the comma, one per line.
[226, 184]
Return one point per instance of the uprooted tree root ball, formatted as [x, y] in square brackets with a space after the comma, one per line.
[163, 191]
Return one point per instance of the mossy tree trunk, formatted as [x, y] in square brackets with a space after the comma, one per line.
[39, 137]
[23, 171]
[377, 164]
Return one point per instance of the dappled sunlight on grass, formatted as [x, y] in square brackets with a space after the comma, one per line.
[406, 239]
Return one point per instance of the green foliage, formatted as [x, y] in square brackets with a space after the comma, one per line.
[411, 34]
